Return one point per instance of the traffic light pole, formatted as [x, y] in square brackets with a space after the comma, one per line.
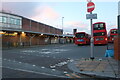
[92, 40]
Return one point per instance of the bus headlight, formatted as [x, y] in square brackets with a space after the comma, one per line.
[106, 39]
[112, 38]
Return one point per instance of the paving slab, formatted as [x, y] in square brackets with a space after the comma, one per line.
[105, 67]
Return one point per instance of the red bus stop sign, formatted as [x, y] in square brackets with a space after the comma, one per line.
[90, 7]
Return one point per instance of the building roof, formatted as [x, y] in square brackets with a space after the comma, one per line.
[27, 18]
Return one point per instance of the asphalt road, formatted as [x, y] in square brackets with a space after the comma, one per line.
[48, 61]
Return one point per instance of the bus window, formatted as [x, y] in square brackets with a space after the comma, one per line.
[113, 36]
[80, 35]
[86, 36]
[114, 31]
[98, 26]
[99, 34]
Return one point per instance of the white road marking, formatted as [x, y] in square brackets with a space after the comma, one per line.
[53, 69]
[33, 65]
[20, 62]
[42, 67]
[52, 66]
[34, 72]
[65, 72]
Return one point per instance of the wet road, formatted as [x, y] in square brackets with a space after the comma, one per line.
[48, 61]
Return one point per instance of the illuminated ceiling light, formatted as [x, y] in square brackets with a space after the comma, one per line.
[23, 32]
[41, 34]
[15, 33]
[1, 32]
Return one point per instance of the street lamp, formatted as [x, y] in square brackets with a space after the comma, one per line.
[62, 24]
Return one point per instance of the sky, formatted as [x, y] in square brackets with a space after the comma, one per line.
[74, 12]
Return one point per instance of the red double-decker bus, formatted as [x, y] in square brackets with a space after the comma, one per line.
[112, 33]
[100, 33]
[82, 38]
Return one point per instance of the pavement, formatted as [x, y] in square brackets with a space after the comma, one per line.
[99, 67]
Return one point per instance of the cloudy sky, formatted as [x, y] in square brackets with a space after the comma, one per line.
[74, 12]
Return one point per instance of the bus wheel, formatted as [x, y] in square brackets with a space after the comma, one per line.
[78, 44]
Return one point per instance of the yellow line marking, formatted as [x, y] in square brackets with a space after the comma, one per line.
[72, 75]
[76, 75]
[69, 75]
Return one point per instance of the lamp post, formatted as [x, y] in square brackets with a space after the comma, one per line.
[62, 24]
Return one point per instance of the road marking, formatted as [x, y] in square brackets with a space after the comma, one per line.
[53, 69]
[33, 72]
[33, 65]
[20, 62]
[52, 66]
[65, 72]
[76, 75]
[69, 75]
[43, 67]
[72, 75]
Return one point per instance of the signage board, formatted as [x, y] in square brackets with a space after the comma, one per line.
[91, 16]
[90, 6]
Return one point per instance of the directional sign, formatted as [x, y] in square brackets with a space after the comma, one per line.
[90, 7]
[119, 8]
[91, 16]
[88, 0]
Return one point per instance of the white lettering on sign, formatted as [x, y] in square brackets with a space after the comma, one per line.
[91, 16]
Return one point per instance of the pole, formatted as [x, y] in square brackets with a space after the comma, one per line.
[92, 40]
[62, 24]
[20, 40]
[30, 26]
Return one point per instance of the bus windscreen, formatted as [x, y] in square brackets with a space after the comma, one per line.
[113, 36]
[99, 34]
[114, 32]
[98, 26]
[79, 35]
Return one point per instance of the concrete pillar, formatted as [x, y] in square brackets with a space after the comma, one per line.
[117, 48]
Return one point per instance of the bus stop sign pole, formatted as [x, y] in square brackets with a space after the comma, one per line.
[92, 41]
[90, 8]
